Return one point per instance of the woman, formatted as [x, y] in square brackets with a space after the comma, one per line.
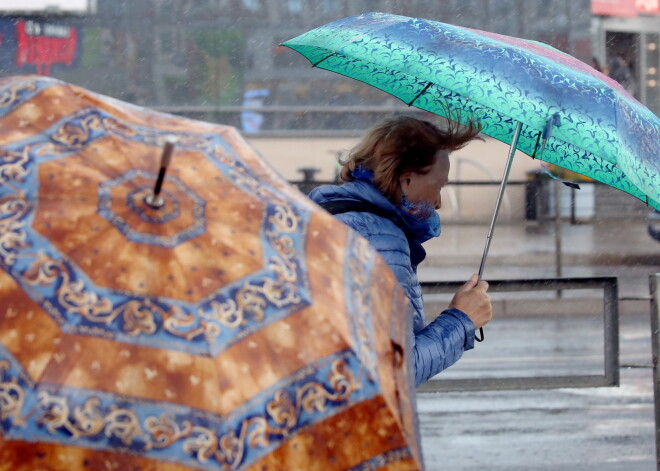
[393, 179]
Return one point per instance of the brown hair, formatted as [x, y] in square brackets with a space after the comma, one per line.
[402, 144]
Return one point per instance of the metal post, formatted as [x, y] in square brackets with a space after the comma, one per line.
[573, 208]
[558, 234]
[654, 285]
[611, 338]
[308, 183]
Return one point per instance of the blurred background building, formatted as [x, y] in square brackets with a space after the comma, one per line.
[208, 58]
[219, 61]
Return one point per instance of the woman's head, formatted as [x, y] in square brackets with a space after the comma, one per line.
[401, 151]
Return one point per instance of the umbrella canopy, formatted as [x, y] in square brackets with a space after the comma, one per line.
[235, 326]
[571, 115]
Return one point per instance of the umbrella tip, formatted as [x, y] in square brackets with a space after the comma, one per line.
[168, 148]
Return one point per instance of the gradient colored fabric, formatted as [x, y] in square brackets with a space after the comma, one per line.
[442, 342]
[592, 125]
[236, 327]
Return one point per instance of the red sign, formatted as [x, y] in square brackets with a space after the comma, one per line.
[614, 7]
[44, 44]
[625, 7]
[648, 6]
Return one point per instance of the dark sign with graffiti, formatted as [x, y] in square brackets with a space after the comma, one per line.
[29, 45]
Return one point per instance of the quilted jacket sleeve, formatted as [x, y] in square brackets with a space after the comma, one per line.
[442, 342]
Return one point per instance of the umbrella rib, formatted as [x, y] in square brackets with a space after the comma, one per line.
[420, 93]
[326, 57]
[536, 145]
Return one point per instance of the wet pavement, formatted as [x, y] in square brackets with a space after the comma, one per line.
[600, 429]
[605, 429]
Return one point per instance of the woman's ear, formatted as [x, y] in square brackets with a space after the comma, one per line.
[405, 179]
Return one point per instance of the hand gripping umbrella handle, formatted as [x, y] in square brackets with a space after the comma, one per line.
[505, 179]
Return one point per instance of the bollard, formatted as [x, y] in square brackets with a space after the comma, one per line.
[308, 182]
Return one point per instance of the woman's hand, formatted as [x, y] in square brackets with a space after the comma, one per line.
[472, 298]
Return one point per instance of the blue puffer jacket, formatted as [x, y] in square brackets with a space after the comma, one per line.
[398, 239]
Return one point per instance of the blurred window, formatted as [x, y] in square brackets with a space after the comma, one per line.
[167, 40]
[372, 5]
[294, 6]
[331, 6]
[252, 5]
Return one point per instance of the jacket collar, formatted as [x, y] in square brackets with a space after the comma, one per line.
[363, 190]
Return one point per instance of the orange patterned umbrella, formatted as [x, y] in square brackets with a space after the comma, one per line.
[234, 326]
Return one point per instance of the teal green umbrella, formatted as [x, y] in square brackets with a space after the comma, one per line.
[570, 114]
[539, 100]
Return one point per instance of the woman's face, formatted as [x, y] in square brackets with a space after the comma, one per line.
[426, 187]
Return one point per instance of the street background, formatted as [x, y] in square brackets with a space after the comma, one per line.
[609, 428]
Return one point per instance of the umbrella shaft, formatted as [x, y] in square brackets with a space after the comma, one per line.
[159, 181]
[164, 163]
[505, 179]
[154, 199]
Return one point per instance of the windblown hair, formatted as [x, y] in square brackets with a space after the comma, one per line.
[402, 144]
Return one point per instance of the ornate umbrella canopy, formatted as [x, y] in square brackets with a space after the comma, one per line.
[571, 115]
[234, 327]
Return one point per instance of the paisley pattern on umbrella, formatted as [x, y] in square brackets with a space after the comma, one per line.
[235, 327]
[221, 313]
[597, 128]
